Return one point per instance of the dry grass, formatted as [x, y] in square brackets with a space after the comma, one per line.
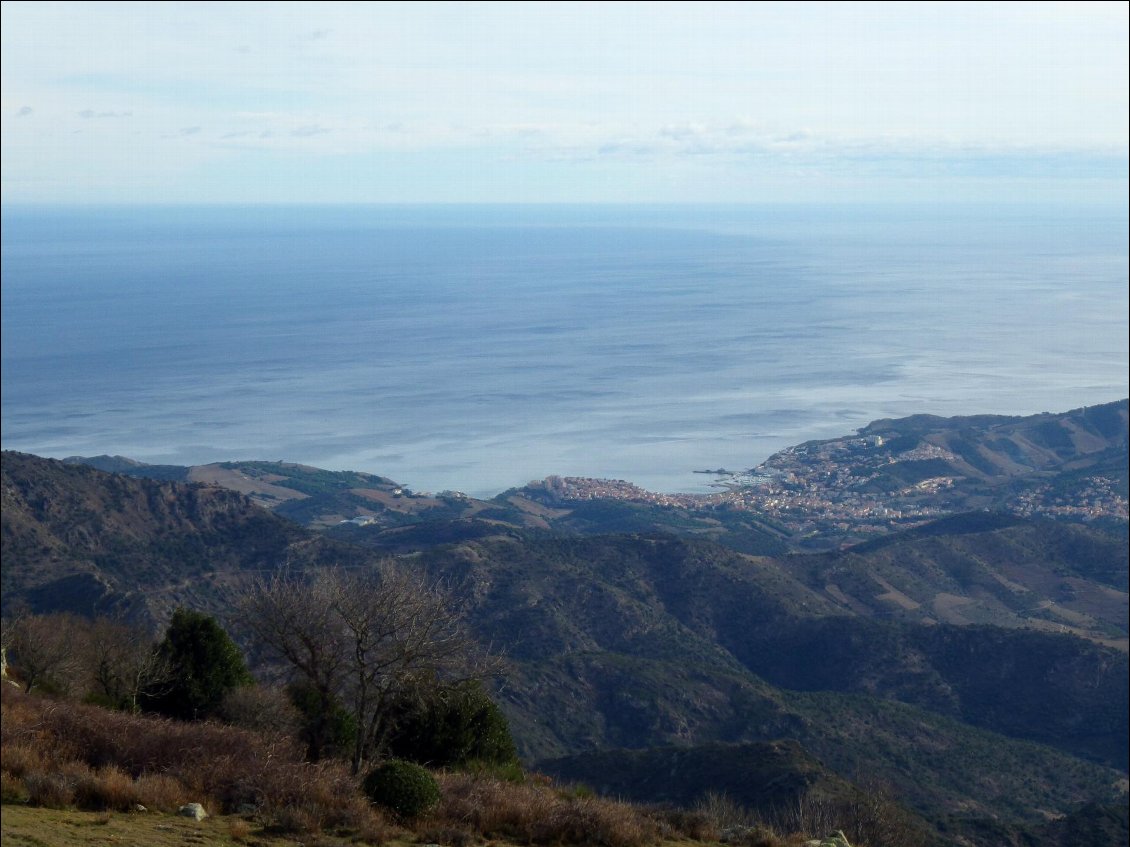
[68, 755]
[108, 788]
[25, 826]
[63, 755]
[239, 830]
[532, 813]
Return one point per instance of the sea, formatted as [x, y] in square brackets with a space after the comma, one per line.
[475, 348]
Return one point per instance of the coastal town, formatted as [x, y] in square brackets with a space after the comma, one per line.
[854, 487]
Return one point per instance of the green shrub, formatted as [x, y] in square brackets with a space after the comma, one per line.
[456, 726]
[404, 788]
[325, 726]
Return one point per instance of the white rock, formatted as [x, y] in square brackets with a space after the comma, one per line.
[192, 810]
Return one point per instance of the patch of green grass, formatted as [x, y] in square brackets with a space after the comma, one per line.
[36, 827]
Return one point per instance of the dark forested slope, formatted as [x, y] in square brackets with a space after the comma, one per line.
[78, 539]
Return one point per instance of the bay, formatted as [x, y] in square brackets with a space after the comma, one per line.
[477, 347]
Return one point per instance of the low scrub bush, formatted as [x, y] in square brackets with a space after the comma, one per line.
[12, 789]
[62, 754]
[239, 830]
[539, 814]
[404, 788]
[490, 806]
[109, 789]
[302, 817]
[160, 792]
[21, 759]
[50, 790]
[71, 754]
[692, 823]
[593, 820]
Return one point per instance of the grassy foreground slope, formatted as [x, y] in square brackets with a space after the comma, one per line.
[66, 755]
[30, 826]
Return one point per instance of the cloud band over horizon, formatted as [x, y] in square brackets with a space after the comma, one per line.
[562, 102]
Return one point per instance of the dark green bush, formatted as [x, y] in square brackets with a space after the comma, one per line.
[456, 726]
[404, 788]
[326, 727]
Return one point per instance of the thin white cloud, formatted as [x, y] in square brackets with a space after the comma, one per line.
[710, 86]
[309, 130]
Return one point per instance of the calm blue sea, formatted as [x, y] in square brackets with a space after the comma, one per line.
[476, 348]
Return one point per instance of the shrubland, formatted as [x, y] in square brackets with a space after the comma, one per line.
[62, 754]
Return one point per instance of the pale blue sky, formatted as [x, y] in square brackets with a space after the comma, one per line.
[533, 102]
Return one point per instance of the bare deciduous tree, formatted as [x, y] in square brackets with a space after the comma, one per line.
[77, 656]
[297, 620]
[123, 663]
[45, 650]
[263, 709]
[364, 638]
[874, 817]
[871, 815]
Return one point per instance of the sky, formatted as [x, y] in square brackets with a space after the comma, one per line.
[563, 102]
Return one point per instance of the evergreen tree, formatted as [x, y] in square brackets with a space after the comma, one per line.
[203, 663]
